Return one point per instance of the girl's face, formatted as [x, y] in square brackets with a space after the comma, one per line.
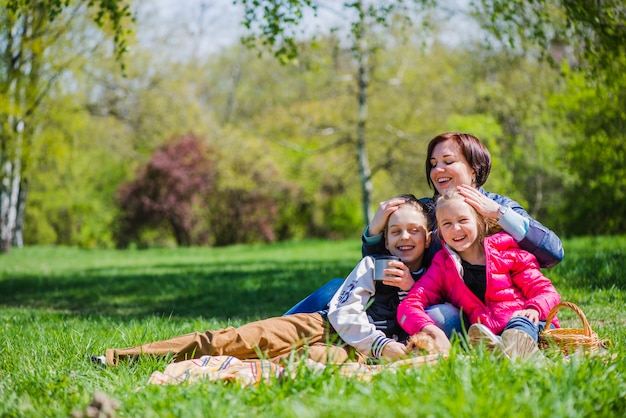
[458, 225]
[449, 167]
[407, 236]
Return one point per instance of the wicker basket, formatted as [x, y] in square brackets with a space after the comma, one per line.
[569, 340]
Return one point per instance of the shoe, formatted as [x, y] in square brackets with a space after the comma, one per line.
[99, 360]
[520, 345]
[480, 335]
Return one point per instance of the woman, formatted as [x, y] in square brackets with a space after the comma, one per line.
[461, 161]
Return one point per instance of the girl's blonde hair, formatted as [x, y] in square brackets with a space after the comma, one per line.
[486, 226]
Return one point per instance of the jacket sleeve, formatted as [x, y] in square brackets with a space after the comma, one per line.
[539, 240]
[372, 244]
[347, 311]
[427, 291]
[537, 289]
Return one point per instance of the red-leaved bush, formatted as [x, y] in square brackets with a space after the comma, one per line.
[171, 189]
[177, 194]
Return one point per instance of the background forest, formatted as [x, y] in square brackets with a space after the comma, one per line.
[191, 138]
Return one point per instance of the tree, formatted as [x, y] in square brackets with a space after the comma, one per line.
[587, 41]
[27, 72]
[594, 32]
[277, 22]
[589, 36]
[595, 191]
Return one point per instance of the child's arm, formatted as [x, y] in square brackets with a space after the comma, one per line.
[347, 311]
[427, 291]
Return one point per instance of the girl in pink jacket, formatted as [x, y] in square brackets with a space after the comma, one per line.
[498, 286]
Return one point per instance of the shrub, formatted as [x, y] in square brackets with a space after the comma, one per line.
[169, 192]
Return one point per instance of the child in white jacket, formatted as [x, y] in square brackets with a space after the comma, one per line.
[359, 323]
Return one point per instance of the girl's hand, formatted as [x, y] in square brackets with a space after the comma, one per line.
[398, 276]
[486, 207]
[386, 208]
[529, 313]
[442, 343]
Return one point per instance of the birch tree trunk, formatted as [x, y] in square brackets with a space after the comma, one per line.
[361, 52]
[9, 195]
[21, 88]
[365, 173]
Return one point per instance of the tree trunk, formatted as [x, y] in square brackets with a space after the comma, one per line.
[365, 173]
[9, 194]
[18, 233]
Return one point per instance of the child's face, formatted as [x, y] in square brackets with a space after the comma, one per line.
[457, 225]
[407, 236]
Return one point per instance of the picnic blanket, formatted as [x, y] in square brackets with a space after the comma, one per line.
[252, 372]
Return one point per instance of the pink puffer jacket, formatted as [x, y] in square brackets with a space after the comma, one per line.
[514, 282]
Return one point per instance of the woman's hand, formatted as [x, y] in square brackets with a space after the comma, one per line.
[398, 276]
[486, 207]
[530, 313]
[386, 208]
[394, 351]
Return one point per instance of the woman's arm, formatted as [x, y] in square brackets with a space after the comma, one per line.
[531, 235]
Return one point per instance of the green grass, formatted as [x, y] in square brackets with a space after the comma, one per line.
[59, 305]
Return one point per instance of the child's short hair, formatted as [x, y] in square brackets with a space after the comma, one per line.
[485, 227]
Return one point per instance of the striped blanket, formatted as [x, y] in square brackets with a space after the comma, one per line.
[252, 372]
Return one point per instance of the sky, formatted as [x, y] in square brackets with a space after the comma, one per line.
[190, 28]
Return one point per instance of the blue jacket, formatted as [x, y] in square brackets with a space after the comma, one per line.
[539, 240]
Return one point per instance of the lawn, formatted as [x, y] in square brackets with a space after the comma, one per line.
[60, 305]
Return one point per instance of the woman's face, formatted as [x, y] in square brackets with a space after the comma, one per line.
[449, 167]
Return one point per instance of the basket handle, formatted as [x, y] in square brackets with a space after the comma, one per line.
[553, 311]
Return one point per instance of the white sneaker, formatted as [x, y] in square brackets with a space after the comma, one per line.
[520, 345]
[480, 335]
[99, 360]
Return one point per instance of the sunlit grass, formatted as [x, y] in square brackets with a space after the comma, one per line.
[59, 305]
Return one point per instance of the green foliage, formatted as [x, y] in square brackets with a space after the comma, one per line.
[595, 116]
[55, 313]
[115, 13]
[286, 133]
[41, 41]
[595, 30]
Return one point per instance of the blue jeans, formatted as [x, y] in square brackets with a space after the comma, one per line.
[445, 315]
[524, 324]
[317, 300]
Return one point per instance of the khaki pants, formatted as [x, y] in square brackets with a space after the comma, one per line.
[273, 338]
